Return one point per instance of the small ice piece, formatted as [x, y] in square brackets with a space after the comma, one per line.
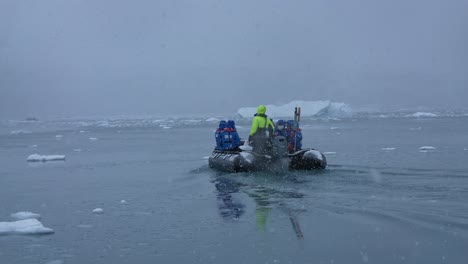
[98, 211]
[207, 157]
[24, 227]
[465, 149]
[388, 149]
[166, 127]
[329, 153]
[77, 150]
[43, 158]
[93, 138]
[123, 202]
[427, 148]
[334, 128]
[423, 114]
[82, 131]
[58, 261]
[19, 132]
[212, 120]
[25, 215]
[58, 136]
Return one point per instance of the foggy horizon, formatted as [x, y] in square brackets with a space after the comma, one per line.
[109, 58]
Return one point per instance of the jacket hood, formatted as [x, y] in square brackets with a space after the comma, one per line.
[261, 109]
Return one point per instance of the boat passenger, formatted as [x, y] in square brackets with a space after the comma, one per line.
[234, 139]
[294, 136]
[280, 129]
[261, 131]
[218, 134]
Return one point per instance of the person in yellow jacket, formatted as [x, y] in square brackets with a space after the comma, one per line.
[261, 131]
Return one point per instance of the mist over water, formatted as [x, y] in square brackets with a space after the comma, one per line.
[107, 58]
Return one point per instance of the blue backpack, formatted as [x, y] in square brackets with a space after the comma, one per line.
[219, 134]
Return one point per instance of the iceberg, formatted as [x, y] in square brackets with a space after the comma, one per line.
[37, 157]
[422, 114]
[25, 215]
[24, 227]
[308, 109]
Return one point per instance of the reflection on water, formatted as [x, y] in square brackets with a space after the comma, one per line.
[267, 199]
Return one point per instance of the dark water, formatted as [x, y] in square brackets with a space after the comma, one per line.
[369, 206]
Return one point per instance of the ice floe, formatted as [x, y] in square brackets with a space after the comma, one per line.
[98, 211]
[388, 149]
[93, 138]
[427, 148]
[24, 227]
[58, 136]
[25, 215]
[423, 114]
[212, 120]
[123, 202]
[19, 132]
[58, 261]
[308, 109]
[37, 157]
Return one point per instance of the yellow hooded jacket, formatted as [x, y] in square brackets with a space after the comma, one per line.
[260, 120]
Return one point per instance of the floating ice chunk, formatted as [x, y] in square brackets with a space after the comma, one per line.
[37, 157]
[25, 215]
[334, 128]
[207, 157]
[388, 149]
[212, 120]
[19, 132]
[58, 136]
[308, 109]
[98, 211]
[82, 131]
[166, 127]
[123, 202]
[422, 114]
[329, 153]
[24, 227]
[465, 149]
[58, 261]
[93, 138]
[427, 148]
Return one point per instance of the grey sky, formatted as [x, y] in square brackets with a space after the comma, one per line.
[114, 57]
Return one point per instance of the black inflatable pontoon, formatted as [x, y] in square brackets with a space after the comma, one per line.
[244, 159]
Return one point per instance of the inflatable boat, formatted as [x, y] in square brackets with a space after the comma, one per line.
[244, 159]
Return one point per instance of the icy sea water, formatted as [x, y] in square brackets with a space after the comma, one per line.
[381, 200]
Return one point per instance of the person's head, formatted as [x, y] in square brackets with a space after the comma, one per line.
[231, 124]
[290, 124]
[261, 110]
[222, 124]
[280, 124]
